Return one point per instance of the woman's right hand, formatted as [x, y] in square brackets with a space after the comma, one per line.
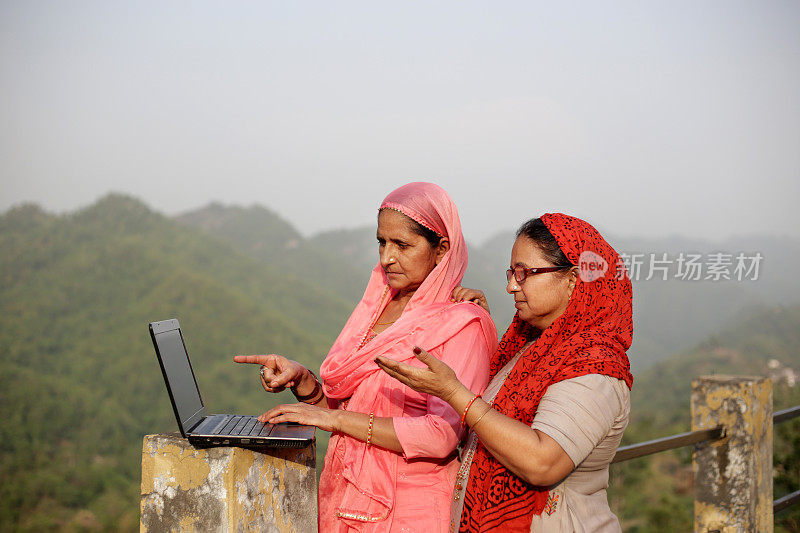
[463, 294]
[438, 379]
[278, 372]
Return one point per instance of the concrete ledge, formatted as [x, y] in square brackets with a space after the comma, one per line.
[226, 489]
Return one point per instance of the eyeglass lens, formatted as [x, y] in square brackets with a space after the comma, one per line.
[518, 273]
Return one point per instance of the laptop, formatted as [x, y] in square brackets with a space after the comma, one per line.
[202, 429]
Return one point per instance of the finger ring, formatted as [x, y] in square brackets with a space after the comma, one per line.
[262, 371]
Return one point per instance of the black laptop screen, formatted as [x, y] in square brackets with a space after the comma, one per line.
[179, 373]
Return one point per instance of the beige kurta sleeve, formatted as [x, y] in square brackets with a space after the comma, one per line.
[578, 413]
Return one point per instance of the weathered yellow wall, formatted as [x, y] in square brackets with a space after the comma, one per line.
[226, 488]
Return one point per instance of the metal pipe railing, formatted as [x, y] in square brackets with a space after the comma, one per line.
[641, 449]
[786, 501]
[680, 440]
[672, 442]
[792, 498]
[785, 414]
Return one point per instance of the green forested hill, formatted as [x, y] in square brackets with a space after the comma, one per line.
[262, 234]
[746, 346]
[79, 382]
[357, 246]
[80, 385]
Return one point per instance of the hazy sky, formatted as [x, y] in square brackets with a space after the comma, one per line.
[646, 118]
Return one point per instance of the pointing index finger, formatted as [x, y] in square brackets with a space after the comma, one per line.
[254, 359]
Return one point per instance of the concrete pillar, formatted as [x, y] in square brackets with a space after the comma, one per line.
[733, 476]
[226, 489]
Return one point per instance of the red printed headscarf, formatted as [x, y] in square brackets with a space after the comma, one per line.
[590, 337]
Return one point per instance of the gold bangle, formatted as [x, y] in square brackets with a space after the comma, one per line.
[479, 418]
[369, 430]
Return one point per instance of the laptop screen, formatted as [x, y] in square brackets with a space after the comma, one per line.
[179, 373]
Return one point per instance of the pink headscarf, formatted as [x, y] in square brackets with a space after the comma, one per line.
[428, 320]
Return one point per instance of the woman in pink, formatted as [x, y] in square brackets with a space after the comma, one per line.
[391, 460]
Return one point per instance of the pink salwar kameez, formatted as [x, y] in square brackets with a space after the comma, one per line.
[368, 488]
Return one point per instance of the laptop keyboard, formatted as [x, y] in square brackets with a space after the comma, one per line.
[240, 425]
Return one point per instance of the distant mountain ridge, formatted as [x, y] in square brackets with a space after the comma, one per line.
[763, 342]
[669, 316]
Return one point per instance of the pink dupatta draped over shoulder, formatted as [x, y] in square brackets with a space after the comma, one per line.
[428, 320]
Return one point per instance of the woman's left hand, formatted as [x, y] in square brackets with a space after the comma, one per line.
[302, 413]
[438, 379]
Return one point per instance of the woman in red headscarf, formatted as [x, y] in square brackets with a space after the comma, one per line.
[544, 432]
[391, 457]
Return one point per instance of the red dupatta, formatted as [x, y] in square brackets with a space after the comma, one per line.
[590, 337]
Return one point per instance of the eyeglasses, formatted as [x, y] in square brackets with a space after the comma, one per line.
[521, 273]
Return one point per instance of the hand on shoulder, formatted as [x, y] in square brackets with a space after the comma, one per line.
[463, 294]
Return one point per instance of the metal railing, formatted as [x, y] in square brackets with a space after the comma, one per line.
[786, 501]
[673, 442]
[793, 497]
[786, 414]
